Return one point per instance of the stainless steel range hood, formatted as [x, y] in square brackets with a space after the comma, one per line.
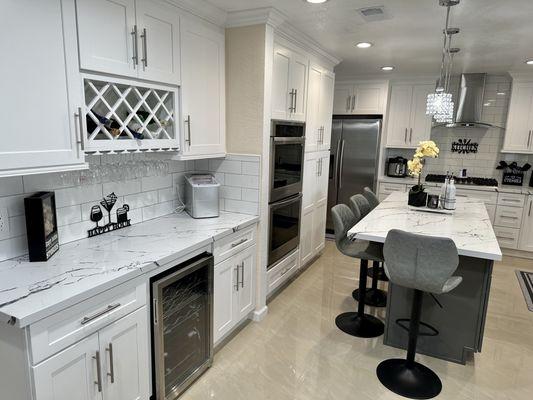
[469, 102]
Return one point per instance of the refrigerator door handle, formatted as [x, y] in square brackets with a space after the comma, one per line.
[341, 162]
[337, 158]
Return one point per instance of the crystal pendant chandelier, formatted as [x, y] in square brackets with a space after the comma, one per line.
[440, 104]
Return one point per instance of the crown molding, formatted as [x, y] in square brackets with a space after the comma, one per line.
[521, 76]
[256, 16]
[279, 21]
[202, 9]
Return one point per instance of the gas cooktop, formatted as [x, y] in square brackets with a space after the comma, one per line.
[463, 181]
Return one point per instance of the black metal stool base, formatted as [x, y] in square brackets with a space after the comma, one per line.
[373, 297]
[366, 326]
[414, 381]
[382, 276]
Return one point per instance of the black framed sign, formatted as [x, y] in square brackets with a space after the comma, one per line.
[464, 146]
[41, 226]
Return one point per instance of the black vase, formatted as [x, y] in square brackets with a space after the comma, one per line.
[417, 198]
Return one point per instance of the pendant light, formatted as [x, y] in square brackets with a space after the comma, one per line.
[440, 104]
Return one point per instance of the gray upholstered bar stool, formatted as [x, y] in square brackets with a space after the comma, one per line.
[356, 323]
[424, 264]
[373, 200]
[373, 297]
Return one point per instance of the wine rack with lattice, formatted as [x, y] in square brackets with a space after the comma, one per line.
[124, 117]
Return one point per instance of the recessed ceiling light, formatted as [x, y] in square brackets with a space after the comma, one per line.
[501, 93]
[364, 45]
[387, 68]
[529, 62]
[316, 1]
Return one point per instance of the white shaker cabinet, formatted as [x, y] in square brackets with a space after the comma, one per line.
[519, 132]
[234, 291]
[526, 233]
[408, 123]
[108, 365]
[314, 205]
[289, 84]
[319, 109]
[360, 98]
[203, 91]
[41, 88]
[134, 38]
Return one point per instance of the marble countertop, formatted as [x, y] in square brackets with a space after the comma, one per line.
[469, 227]
[82, 269]
[500, 188]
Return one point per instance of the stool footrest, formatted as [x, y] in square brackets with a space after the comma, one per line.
[404, 324]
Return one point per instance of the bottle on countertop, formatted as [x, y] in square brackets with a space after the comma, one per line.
[443, 189]
[450, 200]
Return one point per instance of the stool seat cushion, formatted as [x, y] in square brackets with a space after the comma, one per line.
[361, 249]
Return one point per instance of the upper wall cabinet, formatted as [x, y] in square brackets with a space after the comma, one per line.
[289, 84]
[319, 109]
[360, 98]
[41, 88]
[138, 39]
[203, 91]
[408, 123]
[519, 132]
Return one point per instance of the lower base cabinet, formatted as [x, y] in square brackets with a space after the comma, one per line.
[108, 365]
[234, 291]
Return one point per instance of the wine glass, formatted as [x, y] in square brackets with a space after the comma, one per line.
[96, 214]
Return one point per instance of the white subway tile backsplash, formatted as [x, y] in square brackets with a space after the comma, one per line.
[141, 199]
[69, 215]
[122, 188]
[247, 181]
[13, 247]
[229, 166]
[250, 168]
[230, 192]
[10, 186]
[167, 194]
[14, 204]
[239, 206]
[201, 165]
[157, 210]
[17, 226]
[77, 195]
[250, 195]
[156, 182]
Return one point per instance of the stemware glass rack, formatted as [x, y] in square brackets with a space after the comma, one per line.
[119, 116]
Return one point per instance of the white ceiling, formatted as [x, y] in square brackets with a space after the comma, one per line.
[495, 34]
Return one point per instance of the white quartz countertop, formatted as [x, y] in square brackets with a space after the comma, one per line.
[469, 227]
[500, 188]
[82, 269]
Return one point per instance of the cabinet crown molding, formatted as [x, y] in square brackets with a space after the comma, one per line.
[202, 9]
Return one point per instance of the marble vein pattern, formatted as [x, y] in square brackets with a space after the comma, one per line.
[31, 291]
[469, 227]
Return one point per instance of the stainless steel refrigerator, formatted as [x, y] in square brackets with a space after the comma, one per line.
[353, 159]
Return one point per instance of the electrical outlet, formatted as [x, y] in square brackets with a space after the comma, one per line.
[4, 223]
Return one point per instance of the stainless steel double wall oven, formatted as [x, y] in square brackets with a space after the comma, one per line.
[286, 177]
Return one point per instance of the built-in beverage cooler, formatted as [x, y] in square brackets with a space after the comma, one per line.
[182, 325]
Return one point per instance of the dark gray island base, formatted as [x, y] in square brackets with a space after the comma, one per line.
[459, 319]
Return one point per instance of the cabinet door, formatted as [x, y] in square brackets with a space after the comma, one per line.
[203, 90]
[526, 233]
[518, 135]
[281, 98]
[159, 42]
[326, 108]
[125, 358]
[298, 83]
[224, 299]
[314, 121]
[368, 99]
[308, 205]
[107, 43]
[319, 226]
[399, 116]
[70, 374]
[342, 103]
[41, 87]
[246, 286]
[420, 126]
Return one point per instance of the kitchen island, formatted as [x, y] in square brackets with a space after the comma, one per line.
[458, 317]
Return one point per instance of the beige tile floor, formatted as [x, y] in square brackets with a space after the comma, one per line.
[298, 353]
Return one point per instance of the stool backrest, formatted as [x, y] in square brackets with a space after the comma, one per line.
[418, 261]
[371, 197]
[359, 202]
[343, 220]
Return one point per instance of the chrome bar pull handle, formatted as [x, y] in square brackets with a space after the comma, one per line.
[135, 57]
[111, 372]
[353, 103]
[108, 309]
[529, 138]
[237, 280]
[98, 381]
[188, 121]
[79, 131]
[239, 242]
[410, 135]
[348, 101]
[295, 99]
[242, 275]
[405, 137]
[530, 204]
[145, 49]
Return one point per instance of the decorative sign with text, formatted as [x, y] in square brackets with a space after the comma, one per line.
[464, 146]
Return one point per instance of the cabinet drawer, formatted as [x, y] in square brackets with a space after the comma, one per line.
[485, 196]
[510, 217]
[279, 274]
[65, 328]
[511, 199]
[232, 244]
[507, 237]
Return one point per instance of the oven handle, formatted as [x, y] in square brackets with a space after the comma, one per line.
[300, 139]
[282, 203]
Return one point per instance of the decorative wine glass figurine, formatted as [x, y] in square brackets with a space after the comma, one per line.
[96, 214]
[108, 202]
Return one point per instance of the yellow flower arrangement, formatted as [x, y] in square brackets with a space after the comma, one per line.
[427, 148]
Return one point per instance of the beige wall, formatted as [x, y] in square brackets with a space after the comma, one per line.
[245, 70]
